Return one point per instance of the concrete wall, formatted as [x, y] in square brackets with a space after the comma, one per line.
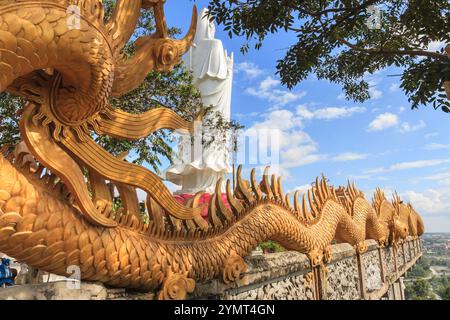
[376, 274]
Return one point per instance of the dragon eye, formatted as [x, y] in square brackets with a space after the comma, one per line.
[167, 55]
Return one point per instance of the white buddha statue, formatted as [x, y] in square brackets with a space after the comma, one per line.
[212, 70]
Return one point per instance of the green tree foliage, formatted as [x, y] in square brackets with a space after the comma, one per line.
[440, 262]
[173, 90]
[271, 247]
[419, 272]
[419, 290]
[421, 269]
[335, 42]
[441, 285]
[445, 294]
[9, 120]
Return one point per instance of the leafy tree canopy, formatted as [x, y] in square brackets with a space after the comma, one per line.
[419, 290]
[340, 41]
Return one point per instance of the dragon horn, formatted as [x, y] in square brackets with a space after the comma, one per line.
[296, 204]
[160, 21]
[185, 43]
[161, 26]
[255, 187]
[123, 21]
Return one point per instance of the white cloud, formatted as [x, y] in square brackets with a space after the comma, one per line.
[268, 83]
[373, 82]
[401, 109]
[301, 156]
[388, 120]
[437, 146]
[279, 97]
[304, 113]
[247, 115]
[430, 201]
[303, 189]
[287, 139]
[279, 119]
[431, 135]
[418, 164]
[293, 146]
[438, 176]
[394, 87]
[405, 127]
[437, 223]
[356, 177]
[328, 113]
[375, 93]
[383, 121]
[368, 177]
[349, 156]
[334, 112]
[442, 178]
[250, 69]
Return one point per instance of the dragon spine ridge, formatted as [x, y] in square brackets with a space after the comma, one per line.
[149, 256]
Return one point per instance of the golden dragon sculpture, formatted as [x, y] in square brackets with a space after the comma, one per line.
[52, 217]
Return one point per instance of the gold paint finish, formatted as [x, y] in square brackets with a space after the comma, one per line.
[52, 215]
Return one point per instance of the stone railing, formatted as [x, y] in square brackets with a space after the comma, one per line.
[376, 274]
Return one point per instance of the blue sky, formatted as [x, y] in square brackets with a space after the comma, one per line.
[380, 142]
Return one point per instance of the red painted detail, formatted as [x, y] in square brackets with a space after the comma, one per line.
[205, 198]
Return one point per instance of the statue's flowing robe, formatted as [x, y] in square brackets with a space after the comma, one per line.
[212, 75]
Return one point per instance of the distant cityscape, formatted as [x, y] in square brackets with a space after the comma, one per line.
[430, 277]
[436, 244]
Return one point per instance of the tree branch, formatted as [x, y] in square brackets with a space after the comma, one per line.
[423, 53]
[294, 5]
[354, 11]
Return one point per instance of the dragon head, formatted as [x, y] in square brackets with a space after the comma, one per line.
[156, 52]
[400, 230]
[387, 213]
[401, 219]
[165, 52]
[72, 60]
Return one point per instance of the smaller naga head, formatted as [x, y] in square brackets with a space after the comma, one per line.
[400, 218]
[415, 222]
[400, 229]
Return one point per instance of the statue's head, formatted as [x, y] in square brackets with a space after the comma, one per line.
[206, 29]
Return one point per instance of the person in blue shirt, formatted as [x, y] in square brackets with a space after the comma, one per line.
[7, 274]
